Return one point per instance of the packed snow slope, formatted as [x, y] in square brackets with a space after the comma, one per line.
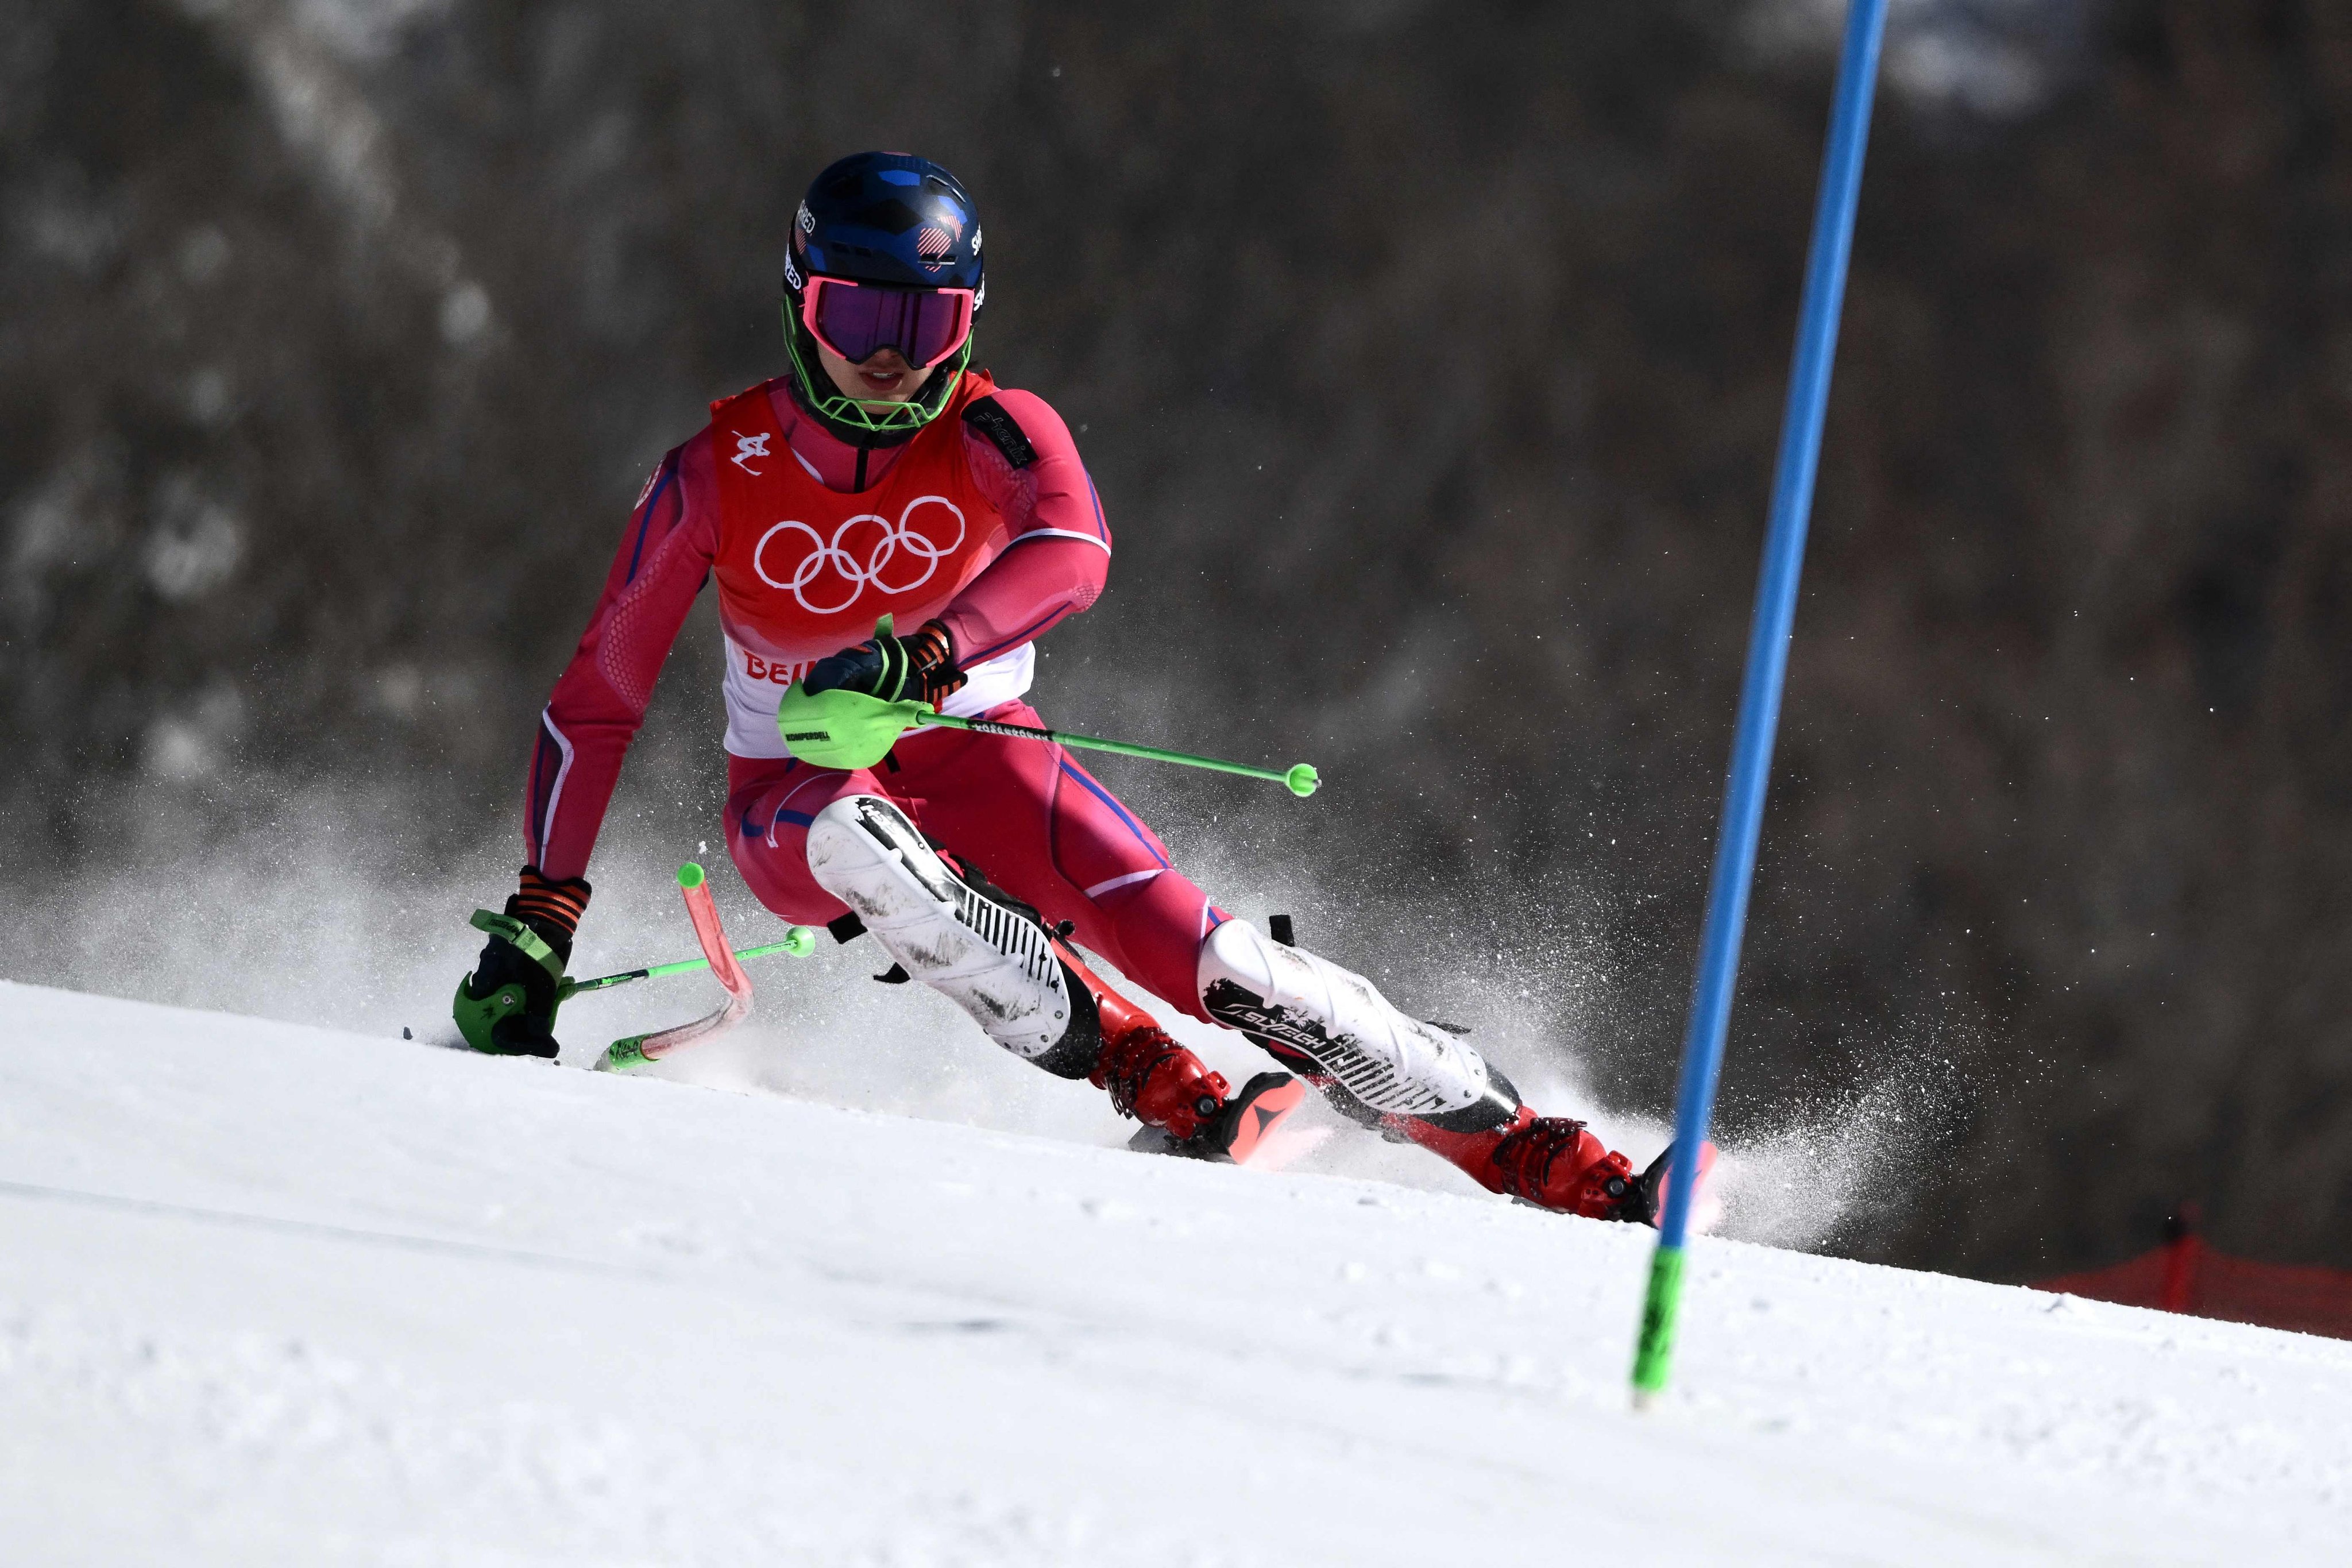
[276, 1294]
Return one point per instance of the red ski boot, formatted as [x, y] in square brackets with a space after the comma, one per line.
[1167, 1088]
[1551, 1162]
[1555, 1162]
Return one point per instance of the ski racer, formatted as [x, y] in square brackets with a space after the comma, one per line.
[881, 474]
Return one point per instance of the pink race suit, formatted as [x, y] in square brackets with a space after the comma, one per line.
[998, 536]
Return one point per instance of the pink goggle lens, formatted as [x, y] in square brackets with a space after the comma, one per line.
[858, 321]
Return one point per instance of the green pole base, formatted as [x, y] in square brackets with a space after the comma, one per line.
[622, 1055]
[1653, 1357]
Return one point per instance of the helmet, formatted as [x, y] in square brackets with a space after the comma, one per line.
[889, 218]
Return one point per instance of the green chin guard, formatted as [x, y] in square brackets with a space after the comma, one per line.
[879, 418]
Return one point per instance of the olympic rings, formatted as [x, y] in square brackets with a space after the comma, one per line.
[824, 555]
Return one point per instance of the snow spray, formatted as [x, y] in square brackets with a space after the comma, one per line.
[1768, 664]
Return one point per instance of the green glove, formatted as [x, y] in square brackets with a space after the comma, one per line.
[506, 1007]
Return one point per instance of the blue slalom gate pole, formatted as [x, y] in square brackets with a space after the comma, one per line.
[1767, 666]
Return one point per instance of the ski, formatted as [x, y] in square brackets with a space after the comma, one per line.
[1239, 1131]
[1706, 1204]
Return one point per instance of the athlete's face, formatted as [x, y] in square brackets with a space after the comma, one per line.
[885, 378]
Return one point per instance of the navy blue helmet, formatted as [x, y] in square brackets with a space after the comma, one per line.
[887, 218]
[897, 220]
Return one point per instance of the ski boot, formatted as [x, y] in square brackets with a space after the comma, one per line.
[1185, 1108]
[1556, 1162]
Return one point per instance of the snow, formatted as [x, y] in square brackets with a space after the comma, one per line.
[278, 1294]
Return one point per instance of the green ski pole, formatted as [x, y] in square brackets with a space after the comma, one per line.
[848, 730]
[1301, 780]
[800, 942]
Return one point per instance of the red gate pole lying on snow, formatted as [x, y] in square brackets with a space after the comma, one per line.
[639, 1049]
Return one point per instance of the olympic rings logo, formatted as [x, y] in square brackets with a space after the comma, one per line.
[835, 557]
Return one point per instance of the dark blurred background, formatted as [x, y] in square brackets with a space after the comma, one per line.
[1429, 359]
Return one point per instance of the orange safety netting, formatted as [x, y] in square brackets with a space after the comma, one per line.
[2185, 1275]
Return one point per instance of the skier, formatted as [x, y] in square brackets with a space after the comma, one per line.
[881, 474]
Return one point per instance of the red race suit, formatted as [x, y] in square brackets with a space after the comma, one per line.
[986, 521]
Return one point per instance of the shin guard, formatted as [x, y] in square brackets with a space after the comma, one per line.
[1335, 1026]
[1414, 1082]
[987, 955]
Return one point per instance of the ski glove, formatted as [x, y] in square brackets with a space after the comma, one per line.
[918, 669]
[506, 1007]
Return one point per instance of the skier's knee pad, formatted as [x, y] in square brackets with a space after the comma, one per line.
[1365, 1051]
[994, 961]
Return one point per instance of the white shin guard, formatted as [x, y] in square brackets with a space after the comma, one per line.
[1298, 1004]
[995, 964]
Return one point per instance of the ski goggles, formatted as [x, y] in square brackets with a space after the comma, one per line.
[858, 321]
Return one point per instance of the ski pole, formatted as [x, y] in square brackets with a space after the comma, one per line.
[1300, 779]
[800, 942]
[849, 729]
[1768, 665]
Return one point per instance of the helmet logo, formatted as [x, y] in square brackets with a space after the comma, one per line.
[975, 242]
[808, 223]
[935, 247]
[793, 278]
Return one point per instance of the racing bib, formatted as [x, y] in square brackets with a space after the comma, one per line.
[803, 570]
